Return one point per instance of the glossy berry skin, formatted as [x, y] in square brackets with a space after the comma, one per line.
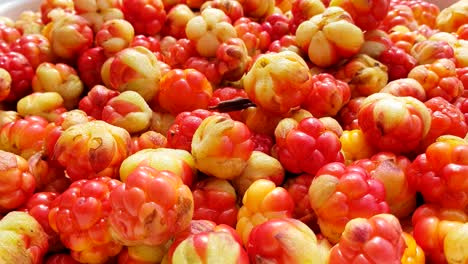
[327, 96]
[114, 35]
[437, 173]
[232, 59]
[424, 12]
[65, 27]
[278, 82]
[60, 78]
[164, 205]
[329, 37]
[306, 146]
[148, 139]
[98, 12]
[175, 52]
[269, 166]
[363, 74]
[294, 236]
[398, 132]
[208, 30]
[377, 239]
[413, 254]
[375, 42]
[38, 205]
[23, 239]
[286, 42]
[129, 111]
[97, 149]
[149, 42]
[232, 8]
[35, 47]
[398, 62]
[181, 131]
[339, 193]
[24, 136]
[462, 104]
[21, 72]
[392, 171]
[254, 36]
[432, 224]
[207, 242]
[9, 34]
[177, 18]
[438, 79]
[49, 5]
[446, 119]
[258, 9]
[262, 201]
[95, 100]
[276, 25]
[303, 10]
[449, 19]
[80, 217]
[142, 254]
[368, 15]
[405, 87]
[89, 66]
[215, 200]
[220, 141]
[354, 146]
[146, 16]
[184, 90]
[121, 73]
[18, 184]
[178, 161]
[428, 51]
[398, 15]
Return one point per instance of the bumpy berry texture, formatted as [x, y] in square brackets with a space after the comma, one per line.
[392, 171]
[278, 82]
[146, 16]
[178, 161]
[391, 123]
[215, 200]
[129, 111]
[438, 173]
[135, 69]
[18, 184]
[431, 225]
[327, 96]
[295, 236]
[270, 167]
[80, 217]
[329, 37]
[21, 73]
[92, 149]
[261, 202]
[206, 242]
[220, 141]
[363, 74]
[438, 79]
[163, 202]
[339, 193]
[377, 239]
[184, 90]
[306, 146]
[22, 238]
